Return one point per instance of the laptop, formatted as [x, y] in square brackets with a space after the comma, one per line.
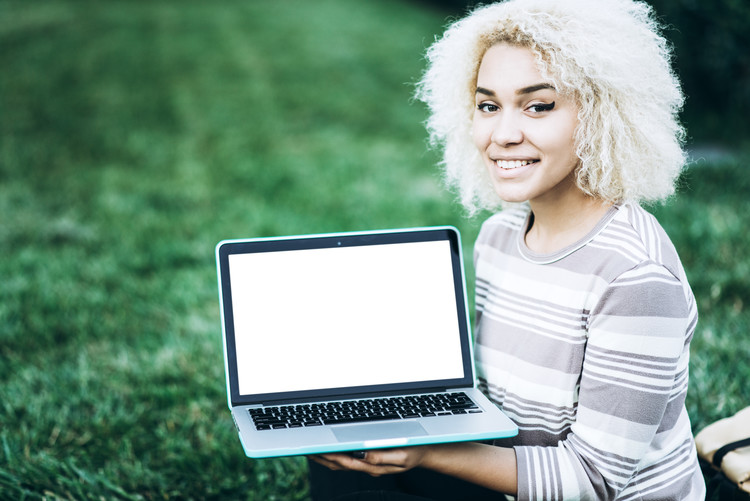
[349, 342]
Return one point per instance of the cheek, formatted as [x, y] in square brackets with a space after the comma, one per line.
[559, 140]
[568, 147]
[569, 126]
[479, 134]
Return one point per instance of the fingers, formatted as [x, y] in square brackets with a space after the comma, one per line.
[375, 462]
[338, 461]
[387, 457]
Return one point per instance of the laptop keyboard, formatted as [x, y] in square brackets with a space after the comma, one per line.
[356, 411]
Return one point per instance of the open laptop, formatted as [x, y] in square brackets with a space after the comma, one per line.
[350, 341]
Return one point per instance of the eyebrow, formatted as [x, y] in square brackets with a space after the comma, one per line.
[534, 88]
[525, 90]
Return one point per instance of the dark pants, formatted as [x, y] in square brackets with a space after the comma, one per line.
[414, 485]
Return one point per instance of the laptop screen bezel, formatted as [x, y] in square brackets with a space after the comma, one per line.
[337, 240]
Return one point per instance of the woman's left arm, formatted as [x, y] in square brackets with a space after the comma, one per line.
[630, 417]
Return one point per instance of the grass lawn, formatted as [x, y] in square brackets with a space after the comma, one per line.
[136, 135]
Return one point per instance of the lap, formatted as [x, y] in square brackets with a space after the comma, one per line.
[414, 485]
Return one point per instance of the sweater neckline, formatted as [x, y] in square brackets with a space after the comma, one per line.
[543, 258]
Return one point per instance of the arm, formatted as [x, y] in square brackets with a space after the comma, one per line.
[485, 465]
[630, 413]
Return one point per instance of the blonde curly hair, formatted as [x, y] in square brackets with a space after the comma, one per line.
[608, 54]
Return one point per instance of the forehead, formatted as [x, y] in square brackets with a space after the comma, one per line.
[509, 66]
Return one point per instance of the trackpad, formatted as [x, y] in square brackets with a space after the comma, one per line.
[378, 431]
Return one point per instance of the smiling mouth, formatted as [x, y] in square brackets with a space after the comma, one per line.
[513, 164]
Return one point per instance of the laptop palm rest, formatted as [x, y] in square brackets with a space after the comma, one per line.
[377, 431]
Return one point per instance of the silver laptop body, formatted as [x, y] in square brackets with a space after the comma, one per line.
[350, 341]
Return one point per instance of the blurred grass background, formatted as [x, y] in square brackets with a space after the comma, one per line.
[135, 135]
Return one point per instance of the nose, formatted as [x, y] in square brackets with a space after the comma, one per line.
[507, 129]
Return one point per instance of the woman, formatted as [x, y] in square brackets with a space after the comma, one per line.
[564, 115]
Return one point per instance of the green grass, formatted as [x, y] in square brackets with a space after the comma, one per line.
[136, 135]
[708, 222]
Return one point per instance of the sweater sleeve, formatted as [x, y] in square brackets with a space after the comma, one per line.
[632, 390]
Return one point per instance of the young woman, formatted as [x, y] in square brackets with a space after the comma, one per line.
[563, 114]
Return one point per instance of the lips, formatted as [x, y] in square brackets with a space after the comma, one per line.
[513, 164]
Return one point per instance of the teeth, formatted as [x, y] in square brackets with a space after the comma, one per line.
[512, 164]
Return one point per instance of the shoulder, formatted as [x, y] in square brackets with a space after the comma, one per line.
[499, 234]
[649, 274]
[503, 224]
[638, 237]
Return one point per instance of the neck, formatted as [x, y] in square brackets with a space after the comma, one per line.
[556, 226]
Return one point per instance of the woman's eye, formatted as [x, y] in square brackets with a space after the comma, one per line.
[487, 107]
[539, 108]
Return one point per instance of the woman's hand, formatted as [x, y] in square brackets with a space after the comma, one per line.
[376, 462]
[481, 464]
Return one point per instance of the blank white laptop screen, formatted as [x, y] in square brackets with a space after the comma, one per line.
[344, 317]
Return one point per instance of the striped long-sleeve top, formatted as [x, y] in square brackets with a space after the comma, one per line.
[587, 351]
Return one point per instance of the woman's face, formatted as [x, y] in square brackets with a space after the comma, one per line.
[524, 129]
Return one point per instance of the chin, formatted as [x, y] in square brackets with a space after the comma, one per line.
[510, 197]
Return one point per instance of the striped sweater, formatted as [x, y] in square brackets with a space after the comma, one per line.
[587, 351]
